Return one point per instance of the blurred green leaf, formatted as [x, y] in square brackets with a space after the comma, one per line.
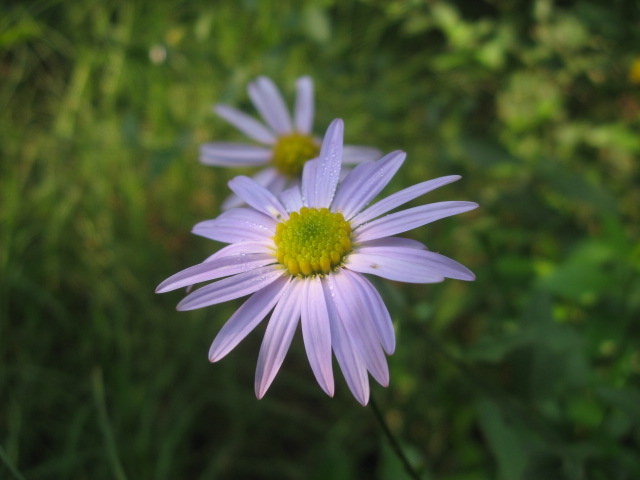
[505, 442]
[585, 275]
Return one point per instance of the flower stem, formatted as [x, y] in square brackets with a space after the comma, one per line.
[393, 441]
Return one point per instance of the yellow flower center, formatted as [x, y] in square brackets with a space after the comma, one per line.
[292, 151]
[312, 241]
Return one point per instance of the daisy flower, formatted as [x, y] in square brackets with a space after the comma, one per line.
[286, 144]
[305, 254]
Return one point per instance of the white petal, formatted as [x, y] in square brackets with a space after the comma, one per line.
[304, 105]
[237, 225]
[376, 310]
[406, 265]
[353, 154]
[400, 198]
[392, 242]
[218, 268]
[277, 185]
[352, 180]
[409, 219]
[354, 195]
[272, 180]
[352, 366]
[309, 177]
[267, 177]
[447, 266]
[344, 171]
[257, 196]
[246, 124]
[392, 268]
[278, 335]
[231, 287]
[268, 101]
[292, 199]
[320, 176]
[232, 201]
[263, 246]
[316, 333]
[351, 310]
[246, 318]
[227, 154]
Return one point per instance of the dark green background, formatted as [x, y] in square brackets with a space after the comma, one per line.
[531, 372]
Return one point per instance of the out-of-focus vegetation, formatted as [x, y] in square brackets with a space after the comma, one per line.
[531, 372]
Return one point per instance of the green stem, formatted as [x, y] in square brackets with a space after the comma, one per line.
[393, 441]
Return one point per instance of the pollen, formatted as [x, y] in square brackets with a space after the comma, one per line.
[313, 241]
[292, 151]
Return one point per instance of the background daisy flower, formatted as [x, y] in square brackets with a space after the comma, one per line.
[304, 255]
[286, 143]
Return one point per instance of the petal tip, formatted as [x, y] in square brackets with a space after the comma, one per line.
[361, 396]
[329, 388]
[337, 123]
[214, 355]
[260, 391]
[237, 179]
[398, 153]
[183, 306]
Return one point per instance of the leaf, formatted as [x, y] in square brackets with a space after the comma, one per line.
[584, 276]
[505, 442]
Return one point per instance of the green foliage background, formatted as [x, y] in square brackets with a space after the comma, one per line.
[531, 372]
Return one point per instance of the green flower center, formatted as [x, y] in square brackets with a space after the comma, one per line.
[313, 241]
[292, 151]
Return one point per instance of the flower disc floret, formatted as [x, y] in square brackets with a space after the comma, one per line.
[313, 241]
[292, 151]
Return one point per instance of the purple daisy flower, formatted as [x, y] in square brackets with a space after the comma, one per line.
[286, 144]
[303, 255]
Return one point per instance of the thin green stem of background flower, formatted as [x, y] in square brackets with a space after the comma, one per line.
[393, 441]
